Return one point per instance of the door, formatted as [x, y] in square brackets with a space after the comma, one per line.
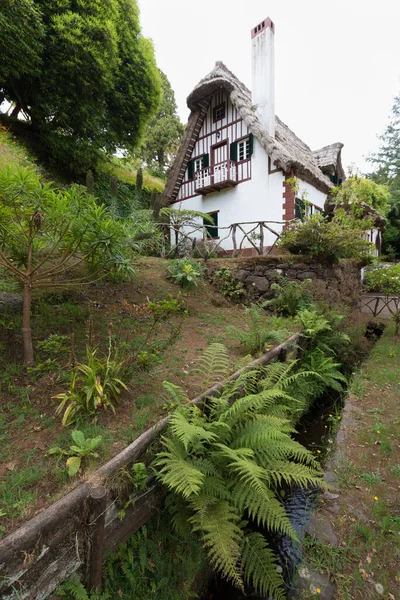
[220, 162]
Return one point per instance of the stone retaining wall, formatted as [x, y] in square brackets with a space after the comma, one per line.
[331, 284]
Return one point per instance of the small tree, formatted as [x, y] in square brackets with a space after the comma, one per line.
[45, 233]
[180, 219]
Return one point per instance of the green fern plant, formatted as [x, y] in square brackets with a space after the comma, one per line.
[226, 465]
[260, 332]
[290, 297]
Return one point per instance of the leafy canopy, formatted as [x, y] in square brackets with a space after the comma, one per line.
[96, 83]
[162, 136]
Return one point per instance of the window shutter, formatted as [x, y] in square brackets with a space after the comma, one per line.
[233, 151]
[300, 209]
[190, 168]
[206, 161]
[251, 144]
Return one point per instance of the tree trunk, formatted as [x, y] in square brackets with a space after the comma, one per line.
[26, 325]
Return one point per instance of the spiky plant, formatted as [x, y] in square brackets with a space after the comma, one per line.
[225, 466]
[261, 330]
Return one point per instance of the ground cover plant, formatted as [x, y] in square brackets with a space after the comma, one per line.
[64, 323]
[365, 565]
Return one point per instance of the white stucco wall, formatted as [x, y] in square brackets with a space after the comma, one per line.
[311, 194]
[258, 199]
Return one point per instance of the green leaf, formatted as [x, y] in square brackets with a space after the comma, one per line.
[73, 465]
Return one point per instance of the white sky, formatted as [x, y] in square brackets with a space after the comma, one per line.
[337, 64]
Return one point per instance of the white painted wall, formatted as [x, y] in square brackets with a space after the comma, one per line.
[260, 198]
[311, 194]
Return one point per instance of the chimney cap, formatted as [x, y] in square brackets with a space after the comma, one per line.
[261, 26]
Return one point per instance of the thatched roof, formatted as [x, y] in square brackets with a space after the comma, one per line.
[286, 150]
[329, 159]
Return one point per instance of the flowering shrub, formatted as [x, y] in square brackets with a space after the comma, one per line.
[385, 280]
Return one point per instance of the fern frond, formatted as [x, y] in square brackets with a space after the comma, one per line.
[263, 508]
[293, 473]
[245, 408]
[259, 567]
[189, 432]
[176, 471]
[262, 431]
[221, 537]
[176, 393]
[285, 449]
[214, 365]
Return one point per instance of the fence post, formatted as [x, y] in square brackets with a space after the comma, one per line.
[234, 240]
[98, 505]
[261, 238]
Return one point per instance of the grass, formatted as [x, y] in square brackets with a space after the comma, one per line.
[27, 412]
[366, 565]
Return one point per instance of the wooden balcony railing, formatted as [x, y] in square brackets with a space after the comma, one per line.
[217, 177]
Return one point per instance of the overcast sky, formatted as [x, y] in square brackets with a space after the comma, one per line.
[337, 64]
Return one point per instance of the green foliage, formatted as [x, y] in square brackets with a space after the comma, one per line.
[184, 272]
[328, 240]
[182, 220]
[83, 447]
[46, 233]
[226, 283]
[356, 192]
[163, 134]
[227, 464]
[21, 41]
[290, 297]
[261, 330]
[55, 344]
[154, 563]
[94, 385]
[383, 279]
[95, 82]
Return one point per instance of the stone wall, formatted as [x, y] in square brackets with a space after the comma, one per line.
[331, 284]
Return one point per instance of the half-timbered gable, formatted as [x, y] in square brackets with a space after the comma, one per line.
[221, 156]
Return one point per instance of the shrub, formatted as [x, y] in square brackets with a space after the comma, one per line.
[329, 241]
[384, 279]
[290, 297]
[226, 283]
[184, 272]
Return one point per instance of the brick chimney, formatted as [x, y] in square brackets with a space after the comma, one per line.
[263, 73]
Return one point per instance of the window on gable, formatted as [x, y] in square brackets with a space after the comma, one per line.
[242, 150]
[198, 164]
[211, 229]
[219, 112]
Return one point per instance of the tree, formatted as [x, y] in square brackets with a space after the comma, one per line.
[387, 164]
[163, 133]
[47, 233]
[356, 193]
[21, 38]
[97, 84]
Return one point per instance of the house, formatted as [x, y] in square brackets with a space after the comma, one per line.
[238, 160]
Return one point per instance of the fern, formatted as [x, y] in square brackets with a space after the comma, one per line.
[262, 330]
[214, 365]
[259, 566]
[221, 537]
